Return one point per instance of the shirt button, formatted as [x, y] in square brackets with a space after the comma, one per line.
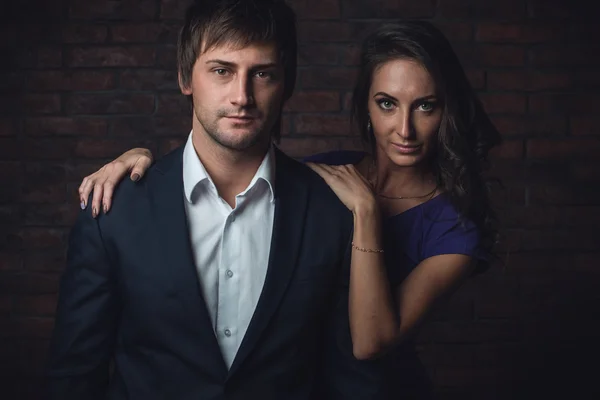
[229, 273]
[227, 332]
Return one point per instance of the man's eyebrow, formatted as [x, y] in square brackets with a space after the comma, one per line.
[221, 62]
[231, 65]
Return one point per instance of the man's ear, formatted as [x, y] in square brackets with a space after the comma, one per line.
[187, 90]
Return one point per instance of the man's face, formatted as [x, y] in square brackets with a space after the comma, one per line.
[237, 94]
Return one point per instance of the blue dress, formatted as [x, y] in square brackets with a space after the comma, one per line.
[429, 229]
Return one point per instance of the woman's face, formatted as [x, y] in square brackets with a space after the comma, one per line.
[405, 111]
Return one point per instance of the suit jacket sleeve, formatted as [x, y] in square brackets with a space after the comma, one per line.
[342, 376]
[86, 317]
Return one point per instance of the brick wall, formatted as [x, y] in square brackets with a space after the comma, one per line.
[82, 80]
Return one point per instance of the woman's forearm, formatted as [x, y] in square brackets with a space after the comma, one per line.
[374, 322]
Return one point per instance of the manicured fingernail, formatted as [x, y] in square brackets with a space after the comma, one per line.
[105, 208]
[135, 177]
[82, 205]
[94, 212]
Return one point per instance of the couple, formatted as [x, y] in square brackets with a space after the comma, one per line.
[231, 271]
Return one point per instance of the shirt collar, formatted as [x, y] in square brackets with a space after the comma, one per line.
[194, 172]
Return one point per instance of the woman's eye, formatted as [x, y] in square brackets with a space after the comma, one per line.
[426, 107]
[386, 104]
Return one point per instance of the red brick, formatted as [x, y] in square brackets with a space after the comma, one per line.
[584, 262]
[492, 55]
[48, 149]
[84, 33]
[457, 31]
[28, 283]
[324, 32]
[114, 56]
[553, 9]
[172, 9]
[520, 80]
[498, 32]
[564, 194]
[504, 103]
[107, 148]
[8, 127]
[584, 125]
[144, 79]
[326, 78]
[162, 125]
[49, 57]
[560, 55]
[318, 54]
[586, 79]
[548, 148]
[28, 328]
[56, 215]
[51, 261]
[314, 101]
[385, 8]
[10, 262]
[144, 33]
[511, 149]
[519, 33]
[585, 171]
[530, 125]
[505, 9]
[456, 8]
[12, 82]
[173, 104]
[42, 238]
[350, 55]
[166, 57]
[476, 77]
[41, 103]
[302, 147]
[168, 145]
[6, 305]
[58, 126]
[550, 216]
[470, 377]
[573, 239]
[128, 103]
[470, 331]
[328, 125]
[107, 9]
[317, 9]
[38, 305]
[549, 103]
[71, 80]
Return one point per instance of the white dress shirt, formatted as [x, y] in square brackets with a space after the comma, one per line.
[231, 246]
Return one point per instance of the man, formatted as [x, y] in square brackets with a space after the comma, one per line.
[223, 273]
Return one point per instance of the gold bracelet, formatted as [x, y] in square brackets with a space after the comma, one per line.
[366, 250]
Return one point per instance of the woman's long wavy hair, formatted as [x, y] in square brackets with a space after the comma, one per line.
[466, 133]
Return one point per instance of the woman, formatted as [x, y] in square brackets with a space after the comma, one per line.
[422, 214]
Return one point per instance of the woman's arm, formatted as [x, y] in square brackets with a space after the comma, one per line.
[373, 319]
[374, 322]
[379, 317]
[103, 182]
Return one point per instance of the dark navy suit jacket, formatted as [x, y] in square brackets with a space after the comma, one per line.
[130, 302]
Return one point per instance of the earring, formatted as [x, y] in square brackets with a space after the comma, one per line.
[369, 124]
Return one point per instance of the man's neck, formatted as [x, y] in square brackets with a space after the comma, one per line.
[230, 170]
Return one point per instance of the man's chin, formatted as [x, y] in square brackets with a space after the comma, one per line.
[238, 141]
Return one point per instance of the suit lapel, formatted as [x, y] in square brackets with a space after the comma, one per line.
[167, 198]
[290, 207]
